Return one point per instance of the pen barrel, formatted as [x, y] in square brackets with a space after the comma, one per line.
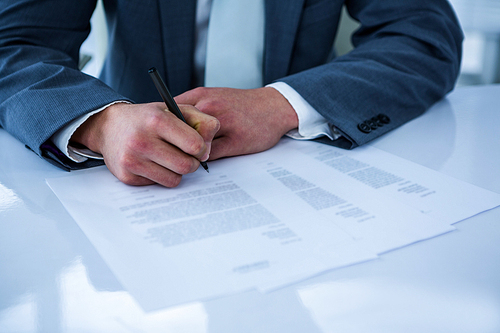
[165, 94]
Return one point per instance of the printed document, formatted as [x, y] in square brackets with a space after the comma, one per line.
[262, 221]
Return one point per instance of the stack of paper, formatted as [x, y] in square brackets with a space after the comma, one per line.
[264, 220]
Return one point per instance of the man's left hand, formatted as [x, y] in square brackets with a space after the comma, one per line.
[251, 120]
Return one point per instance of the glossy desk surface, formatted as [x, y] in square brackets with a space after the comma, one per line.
[53, 280]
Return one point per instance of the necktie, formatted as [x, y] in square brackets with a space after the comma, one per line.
[235, 44]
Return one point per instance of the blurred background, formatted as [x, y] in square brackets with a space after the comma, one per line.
[480, 21]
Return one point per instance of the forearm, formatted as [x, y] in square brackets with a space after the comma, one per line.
[400, 66]
[35, 112]
[41, 86]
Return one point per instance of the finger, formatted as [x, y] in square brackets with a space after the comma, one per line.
[144, 148]
[191, 97]
[205, 125]
[211, 101]
[181, 135]
[126, 176]
[160, 175]
[172, 158]
[146, 172]
[134, 180]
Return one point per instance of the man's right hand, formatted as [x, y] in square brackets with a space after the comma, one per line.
[144, 144]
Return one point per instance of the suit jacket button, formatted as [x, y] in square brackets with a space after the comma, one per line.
[364, 127]
[377, 121]
[372, 124]
[384, 119]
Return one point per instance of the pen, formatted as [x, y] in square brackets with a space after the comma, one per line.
[169, 101]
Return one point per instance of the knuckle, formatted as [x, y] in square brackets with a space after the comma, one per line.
[138, 144]
[172, 181]
[153, 119]
[214, 124]
[187, 165]
[195, 145]
[127, 162]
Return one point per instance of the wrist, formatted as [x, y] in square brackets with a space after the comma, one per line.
[288, 118]
[90, 133]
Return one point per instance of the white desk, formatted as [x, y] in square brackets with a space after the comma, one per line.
[53, 280]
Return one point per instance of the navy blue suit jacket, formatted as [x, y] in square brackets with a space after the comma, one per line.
[406, 57]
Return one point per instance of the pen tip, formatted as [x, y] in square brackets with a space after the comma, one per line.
[205, 166]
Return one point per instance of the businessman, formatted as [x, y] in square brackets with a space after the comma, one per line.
[406, 57]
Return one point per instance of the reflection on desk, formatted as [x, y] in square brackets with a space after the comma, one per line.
[53, 280]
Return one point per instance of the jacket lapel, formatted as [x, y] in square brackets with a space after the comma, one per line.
[282, 22]
[178, 24]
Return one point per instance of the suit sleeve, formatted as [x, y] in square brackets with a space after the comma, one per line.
[407, 56]
[41, 88]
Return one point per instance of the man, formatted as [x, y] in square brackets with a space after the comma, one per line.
[406, 57]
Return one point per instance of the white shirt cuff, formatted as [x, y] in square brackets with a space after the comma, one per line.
[311, 124]
[61, 138]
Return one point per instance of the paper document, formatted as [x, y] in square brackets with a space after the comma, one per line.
[379, 223]
[262, 221]
[433, 193]
[211, 236]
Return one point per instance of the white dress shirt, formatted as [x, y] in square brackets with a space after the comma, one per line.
[311, 123]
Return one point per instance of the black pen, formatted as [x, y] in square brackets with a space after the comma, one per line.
[169, 101]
